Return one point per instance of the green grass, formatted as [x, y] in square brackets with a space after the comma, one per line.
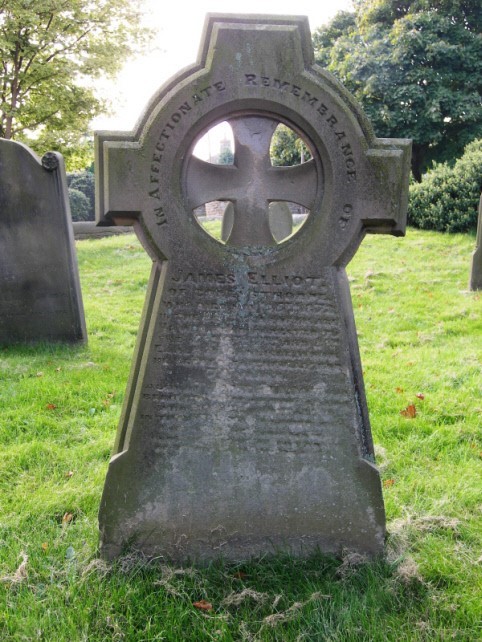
[420, 334]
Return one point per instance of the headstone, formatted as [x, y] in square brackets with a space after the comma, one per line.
[280, 221]
[475, 282]
[245, 427]
[40, 296]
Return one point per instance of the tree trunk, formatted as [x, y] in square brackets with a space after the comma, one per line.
[418, 156]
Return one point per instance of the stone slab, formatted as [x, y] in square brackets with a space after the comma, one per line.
[40, 298]
[475, 281]
[90, 230]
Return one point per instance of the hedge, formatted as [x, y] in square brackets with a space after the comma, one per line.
[447, 198]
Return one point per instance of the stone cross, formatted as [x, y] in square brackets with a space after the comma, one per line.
[40, 295]
[245, 428]
[251, 183]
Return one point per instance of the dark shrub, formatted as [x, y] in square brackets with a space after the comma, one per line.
[79, 205]
[84, 182]
[447, 198]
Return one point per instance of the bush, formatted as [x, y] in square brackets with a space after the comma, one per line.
[84, 182]
[79, 205]
[447, 198]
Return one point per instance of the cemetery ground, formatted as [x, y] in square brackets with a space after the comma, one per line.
[420, 339]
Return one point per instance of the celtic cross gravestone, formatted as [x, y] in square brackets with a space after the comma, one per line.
[245, 427]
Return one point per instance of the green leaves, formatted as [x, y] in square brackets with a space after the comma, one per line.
[416, 68]
[51, 50]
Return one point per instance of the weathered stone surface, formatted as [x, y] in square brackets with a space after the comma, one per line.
[40, 296]
[475, 282]
[245, 427]
[280, 221]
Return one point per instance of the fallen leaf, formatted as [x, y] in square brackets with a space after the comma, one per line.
[420, 395]
[410, 411]
[239, 575]
[388, 482]
[45, 546]
[67, 518]
[69, 474]
[203, 605]
[51, 406]
[398, 390]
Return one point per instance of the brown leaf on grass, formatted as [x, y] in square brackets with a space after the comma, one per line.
[239, 575]
[388, 482]
[45, 546]
[69, 474]
[51, 406]
[420, 395]
[203, 605]
[398, 390]
[67, 518]
[410, 411]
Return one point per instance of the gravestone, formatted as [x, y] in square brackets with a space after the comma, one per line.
[280, 221]
[40, 296]
[475, 282]
[245, 427]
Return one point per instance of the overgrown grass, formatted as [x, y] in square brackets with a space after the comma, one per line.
[420, 338]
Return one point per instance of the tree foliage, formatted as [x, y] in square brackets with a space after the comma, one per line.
[84, 182]
[79, 205]
[226, 156]
[447, 197]
[287, 148]
[51, 51]
[416, 68]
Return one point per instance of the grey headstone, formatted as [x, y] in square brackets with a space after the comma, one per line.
[245, 428]
[40, 296]
[228, 222]
[475, 282]
[280, 221]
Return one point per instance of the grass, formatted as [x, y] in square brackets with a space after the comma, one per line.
[420, 339]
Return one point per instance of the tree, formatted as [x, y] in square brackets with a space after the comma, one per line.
[226, 156]
[51, 50]
[287, 148]
[416, 68]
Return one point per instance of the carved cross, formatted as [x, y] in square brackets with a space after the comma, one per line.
[251, 183]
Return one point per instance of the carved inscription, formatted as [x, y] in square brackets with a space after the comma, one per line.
[329, 117]
[176, 117]
[253, 359]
